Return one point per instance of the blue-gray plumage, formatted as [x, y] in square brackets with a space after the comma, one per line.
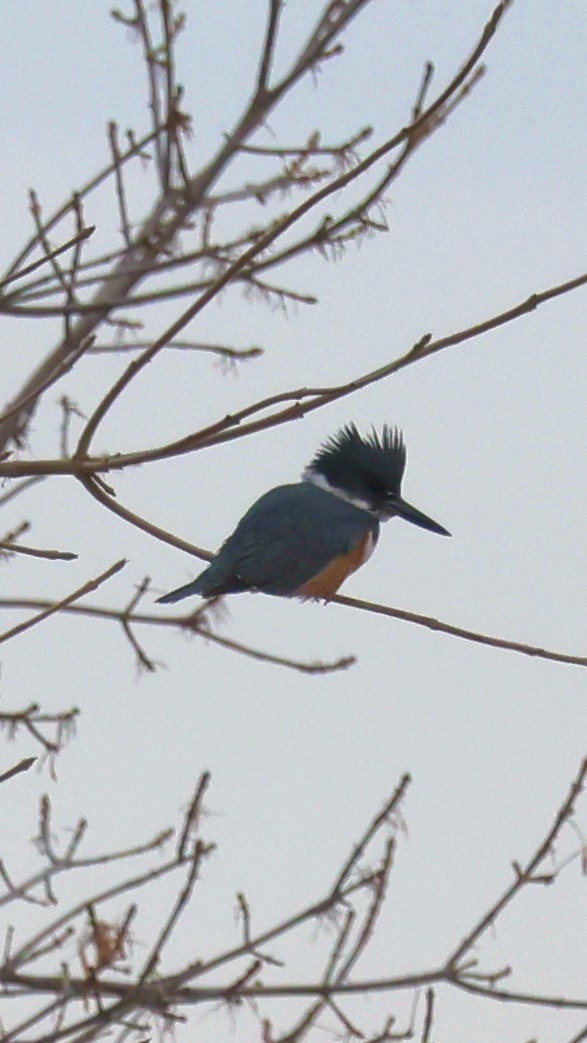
[285, 539]
[303, 540]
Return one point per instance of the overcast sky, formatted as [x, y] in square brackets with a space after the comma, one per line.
[489, 211]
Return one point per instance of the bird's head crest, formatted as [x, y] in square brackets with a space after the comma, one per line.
[367, 468]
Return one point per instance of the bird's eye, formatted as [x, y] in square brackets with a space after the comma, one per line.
[376, 485]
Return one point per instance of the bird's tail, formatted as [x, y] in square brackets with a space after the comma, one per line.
[217, 579]
[195, 587]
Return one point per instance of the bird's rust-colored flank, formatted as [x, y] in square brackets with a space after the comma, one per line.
[326, 583]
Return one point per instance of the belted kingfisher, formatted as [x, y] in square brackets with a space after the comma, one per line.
[303, 540]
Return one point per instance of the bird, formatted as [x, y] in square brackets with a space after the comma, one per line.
[303, 540]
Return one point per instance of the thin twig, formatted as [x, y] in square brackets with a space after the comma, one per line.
[65, 366]
[193, 815]
[522, 876]
[225, 352]
[19, 488]
[50, 253]
[119, 181]
[136, 148]
[35, 552]
[141, 22]
[23, 765]
[201, 851]
[32, 719]
[428, 1017]
[80, 237]
[269, 45]
[86, 588]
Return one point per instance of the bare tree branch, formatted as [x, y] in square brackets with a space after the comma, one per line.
[118, 1000]
[303, 400]
[86, 588]
[32, 720]
[23, 765]
[35, 552]
[168, 216]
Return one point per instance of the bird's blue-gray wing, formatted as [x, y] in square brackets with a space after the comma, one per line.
[289, 536]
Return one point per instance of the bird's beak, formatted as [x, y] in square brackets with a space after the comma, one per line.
[413, 515]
